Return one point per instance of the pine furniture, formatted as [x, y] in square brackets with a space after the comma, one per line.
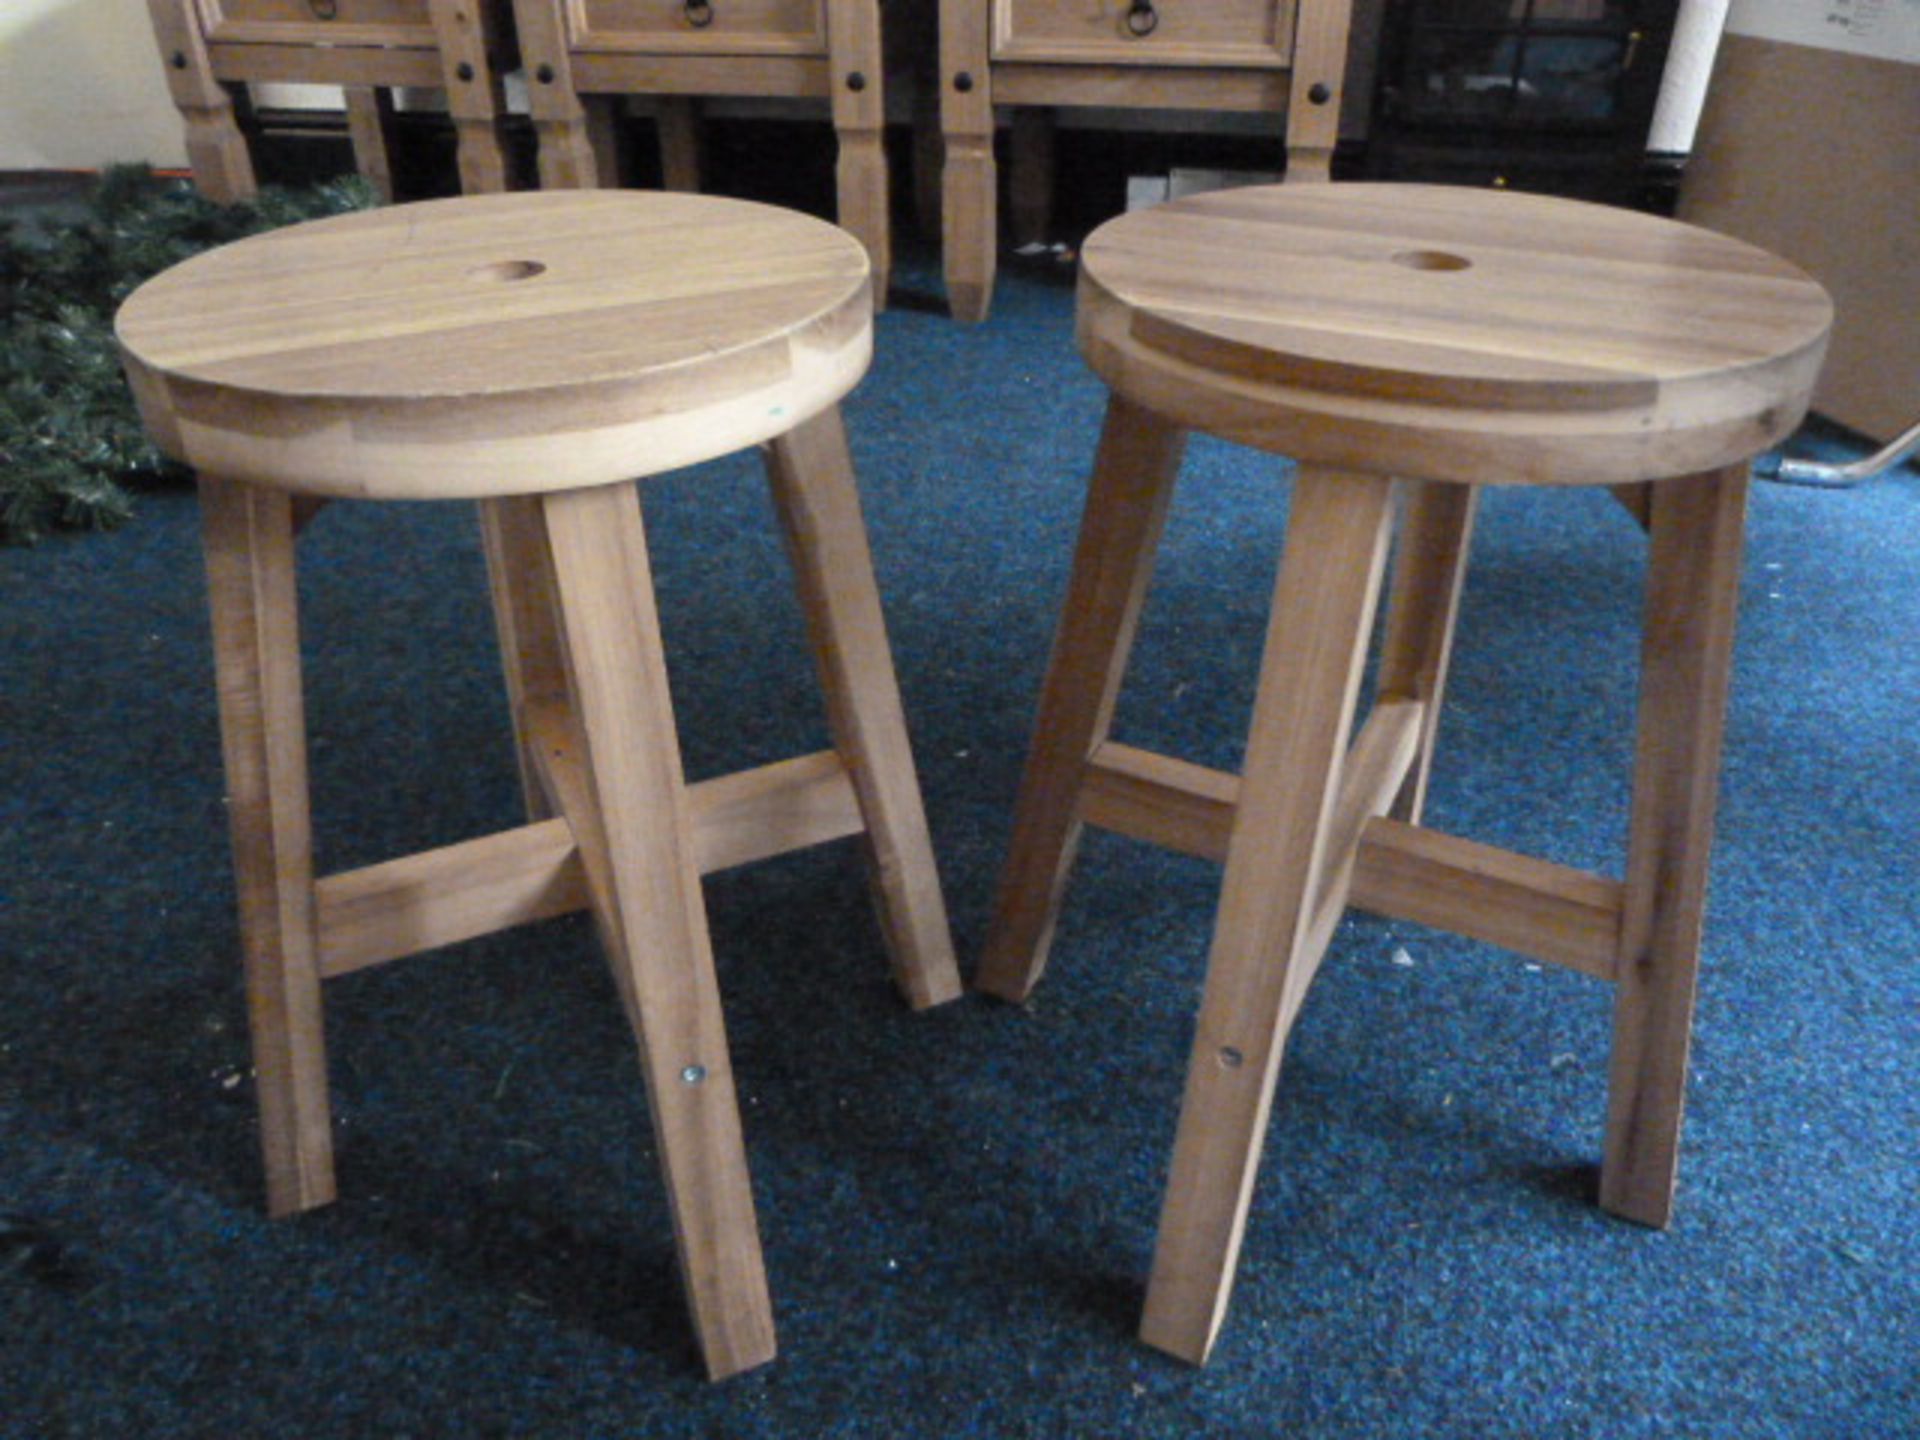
[213, 50]
[1281, 57]
[582, 56]
[537, 352]
[1420, 342]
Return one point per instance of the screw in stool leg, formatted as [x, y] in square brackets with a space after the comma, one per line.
[1262, 954]
[811, 477]
[637, 837]
[1133, 478]
[1693, 584]
[248, 535]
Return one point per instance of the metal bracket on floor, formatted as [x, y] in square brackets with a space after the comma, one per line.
[1789, 471]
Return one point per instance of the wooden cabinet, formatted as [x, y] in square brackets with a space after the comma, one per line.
[1286, 58]
[718, 27]
[213, 50]
[1133, 32]
[386, 23]
[584, 57]
[1549, 95]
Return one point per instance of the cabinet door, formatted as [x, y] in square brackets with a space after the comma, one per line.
[700, 27]
[1235, 33]
[404, 23]
[1574, 65]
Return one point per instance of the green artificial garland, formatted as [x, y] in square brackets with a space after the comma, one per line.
[70, 441]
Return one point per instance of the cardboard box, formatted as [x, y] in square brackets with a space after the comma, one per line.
[1813, 152]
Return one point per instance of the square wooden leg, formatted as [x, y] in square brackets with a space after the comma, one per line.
[216, 148]
[560, 122]
[1133, 477]
[859, 122]
[470, 39]
[248, 535]
[520, 580]
[1693, 594]
[1261, 955]
[813, 487]
[1429, 572]
[370, 127]
[676, 120]
[639, 839]
[969, 182]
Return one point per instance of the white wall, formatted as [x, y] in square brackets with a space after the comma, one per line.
[81, 86]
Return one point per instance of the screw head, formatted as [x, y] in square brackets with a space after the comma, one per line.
[463, 71]
[1319, 93]
[693, 1074]
[179, 59]
[963, 82]
[856, 82]
[544, 74]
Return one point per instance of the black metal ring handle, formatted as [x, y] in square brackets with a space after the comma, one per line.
[699, 13]
[324, 9]
[1142, 19]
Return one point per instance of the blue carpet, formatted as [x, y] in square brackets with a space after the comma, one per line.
[958, 1207]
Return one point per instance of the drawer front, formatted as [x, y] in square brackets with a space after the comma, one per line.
[1237, 33]
[700, 27]
[319, 22]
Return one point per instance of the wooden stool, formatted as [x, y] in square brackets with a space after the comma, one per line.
[213, 49]
[537, 352]
[1453, 337]
[1278, 57]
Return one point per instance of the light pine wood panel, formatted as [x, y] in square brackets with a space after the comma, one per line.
[811, 476]
[1323, 610]
[1452, 296]
[441, 897]
[1539, 909]
[248, 539]
[733, 27]
[654, 917]
[256, 64]
[1451, 333]
[500, 344]
[1178, 32]
[404, 23]
[738, 818]
[1127, 499]
[1429, 574]
[1172, 803]
[1693, 597]
[1131, 88]
[612, 72]
[222, 167]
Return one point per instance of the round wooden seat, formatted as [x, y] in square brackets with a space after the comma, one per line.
[1405, 344]
[1429, 330]
[540, 353]
[500, 344]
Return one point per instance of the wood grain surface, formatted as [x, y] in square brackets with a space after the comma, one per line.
[1453, 319]
[499, 344]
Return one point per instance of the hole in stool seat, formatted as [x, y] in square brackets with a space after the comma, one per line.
[503, 270]
[1432, 260]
